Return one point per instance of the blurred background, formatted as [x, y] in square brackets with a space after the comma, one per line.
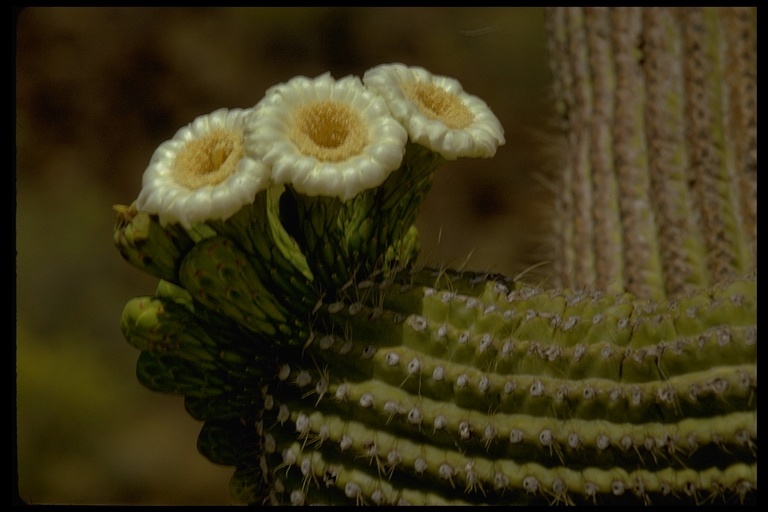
[98, 89]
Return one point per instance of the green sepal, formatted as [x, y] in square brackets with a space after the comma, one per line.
[274, 253]
[161, 326]
[317, 231]
[168, 373]
[168, 290]
[147, 245]
[220, 276]
[403, 252]
[376, 222]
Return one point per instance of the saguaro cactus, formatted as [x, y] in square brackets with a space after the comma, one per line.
[658, 195]
[329, 369]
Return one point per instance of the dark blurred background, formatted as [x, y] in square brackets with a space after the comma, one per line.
[98, 89]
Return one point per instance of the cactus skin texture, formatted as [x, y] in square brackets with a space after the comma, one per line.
[468, 390]
[328, 369]
[470, 398]
[658, 190]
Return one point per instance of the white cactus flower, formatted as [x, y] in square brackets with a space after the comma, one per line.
[201, 173]
[325, 137]
[436, 112]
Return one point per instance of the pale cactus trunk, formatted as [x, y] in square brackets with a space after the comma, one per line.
[658, 192]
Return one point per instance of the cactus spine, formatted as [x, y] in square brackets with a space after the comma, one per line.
[330, 370]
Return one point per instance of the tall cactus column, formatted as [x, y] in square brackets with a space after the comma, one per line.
[658, 191]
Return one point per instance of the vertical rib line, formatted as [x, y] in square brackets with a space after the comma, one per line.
[607, 233]
[738, 68]
[584, 275]
[708, 171]
[641, 255]
[562, 227]
[681, 245]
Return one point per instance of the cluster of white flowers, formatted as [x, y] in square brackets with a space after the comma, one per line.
[321, 136]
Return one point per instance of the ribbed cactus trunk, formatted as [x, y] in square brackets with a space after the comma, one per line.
[658, 194]
[329, 369]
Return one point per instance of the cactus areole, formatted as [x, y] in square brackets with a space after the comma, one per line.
[329, 369]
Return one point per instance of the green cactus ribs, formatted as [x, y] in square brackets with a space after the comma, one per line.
[474, 390]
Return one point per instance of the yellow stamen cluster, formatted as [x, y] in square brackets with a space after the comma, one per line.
[208, 160]
[329, 131]
[439, 105]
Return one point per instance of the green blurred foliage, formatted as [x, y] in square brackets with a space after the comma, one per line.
[98, 89]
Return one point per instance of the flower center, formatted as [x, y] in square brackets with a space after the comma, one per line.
[436, 103]
[329, 131]
[208, 160]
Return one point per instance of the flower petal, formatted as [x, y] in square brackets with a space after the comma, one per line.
[436, 111]
[324, 136]
[202, 173]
